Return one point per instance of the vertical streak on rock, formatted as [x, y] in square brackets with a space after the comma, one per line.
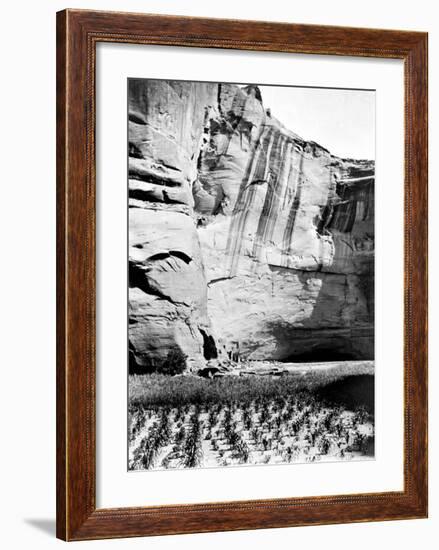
[272, 214]
[247, 193]
[267, 219]
[326, 211]
[346, 213]
[352, 214]
[285, 173]
[288, 233]
[278, 218]
[290, 175]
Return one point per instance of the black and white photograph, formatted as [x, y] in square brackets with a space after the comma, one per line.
[251, 261]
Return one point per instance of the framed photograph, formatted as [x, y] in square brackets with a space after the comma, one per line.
[241, 277]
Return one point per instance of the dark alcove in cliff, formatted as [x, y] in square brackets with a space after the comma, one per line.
[209, 346]
[320, 355]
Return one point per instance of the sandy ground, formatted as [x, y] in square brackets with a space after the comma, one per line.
[273, 367]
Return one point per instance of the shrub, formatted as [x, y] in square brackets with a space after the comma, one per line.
[175, 362]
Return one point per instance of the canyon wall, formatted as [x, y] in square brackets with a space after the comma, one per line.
[245, 240]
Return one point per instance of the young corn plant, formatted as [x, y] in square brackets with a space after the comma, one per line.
[212, 418]
[180, 435]
[146, 453]
[137, 422]
[164, 428]
[242, 452]
[325, 445]
[247, 419]
[193, 452]
[265, 414]
[256, 435]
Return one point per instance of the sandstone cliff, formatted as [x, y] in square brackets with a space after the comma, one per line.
[245, 240]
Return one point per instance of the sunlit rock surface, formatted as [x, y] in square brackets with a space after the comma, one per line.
[245, 240]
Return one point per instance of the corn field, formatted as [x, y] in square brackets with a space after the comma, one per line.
[300, 427]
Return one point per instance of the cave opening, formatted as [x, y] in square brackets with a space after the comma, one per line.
[320, 355]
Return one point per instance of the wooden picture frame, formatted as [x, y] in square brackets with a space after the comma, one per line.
[78, 32]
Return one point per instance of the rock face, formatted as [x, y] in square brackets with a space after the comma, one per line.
[245, 240]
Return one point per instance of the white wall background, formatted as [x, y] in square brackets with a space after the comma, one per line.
[27, 274]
